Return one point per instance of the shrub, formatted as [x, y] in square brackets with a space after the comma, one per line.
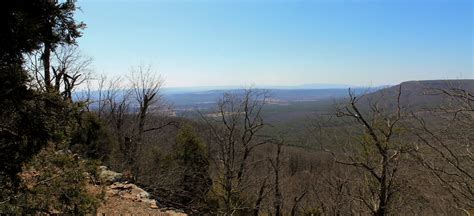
[54, 182]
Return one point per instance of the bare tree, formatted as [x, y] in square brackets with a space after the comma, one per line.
[377, 151]
[146, 85]
[145, 90]
[262, 192]
[72, 69]
[278, 197]
[296, 201]
[69, 69]
[447, 133]
[235, 128]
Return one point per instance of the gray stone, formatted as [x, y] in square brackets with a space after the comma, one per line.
[108, 176]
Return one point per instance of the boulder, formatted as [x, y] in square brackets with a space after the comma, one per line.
[130, 192]
[108, 176]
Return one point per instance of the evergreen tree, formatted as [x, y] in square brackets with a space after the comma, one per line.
[194, 183]
[27, 116]
[31, 119]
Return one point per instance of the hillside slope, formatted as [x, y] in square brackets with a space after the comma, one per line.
[416, 94]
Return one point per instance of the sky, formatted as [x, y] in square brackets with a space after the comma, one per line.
[281, 42]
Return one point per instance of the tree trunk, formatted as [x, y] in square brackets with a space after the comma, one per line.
[261, 192]
[278, 196]
[46, 57]
[382, 208]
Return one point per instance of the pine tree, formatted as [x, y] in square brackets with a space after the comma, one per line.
[190, 156]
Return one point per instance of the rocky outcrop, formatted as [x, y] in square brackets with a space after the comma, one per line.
[123, 198]
[130, 192]
[109, 176]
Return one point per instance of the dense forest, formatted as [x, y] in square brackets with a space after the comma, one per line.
[401, 150]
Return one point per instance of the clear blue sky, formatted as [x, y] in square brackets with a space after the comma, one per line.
[282, 42]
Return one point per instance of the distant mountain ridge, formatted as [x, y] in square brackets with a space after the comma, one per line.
[192, 96]
[284, 95]
[175, 90]
[413, 92]
[417, 94]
